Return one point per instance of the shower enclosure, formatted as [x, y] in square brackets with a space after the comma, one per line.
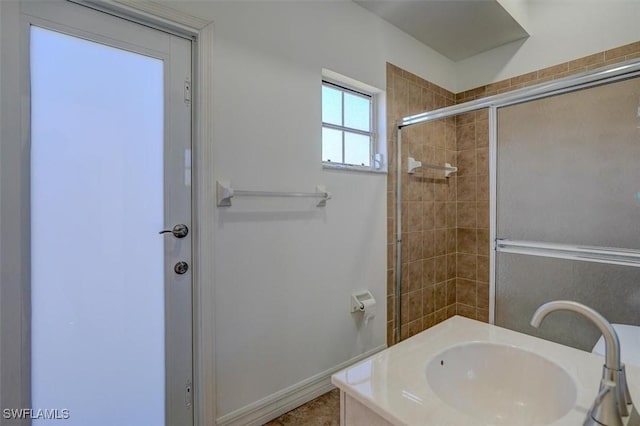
[568, 209]
[564, 200]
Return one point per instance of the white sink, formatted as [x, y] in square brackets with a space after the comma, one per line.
[501, 384]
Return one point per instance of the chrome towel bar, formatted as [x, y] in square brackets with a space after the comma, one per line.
[224, 193]
[413, 164]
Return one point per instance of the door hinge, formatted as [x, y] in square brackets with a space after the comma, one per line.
[187, 92]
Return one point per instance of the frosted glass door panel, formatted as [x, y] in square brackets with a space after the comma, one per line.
[568, 168]
[526, 282]
[97, 292]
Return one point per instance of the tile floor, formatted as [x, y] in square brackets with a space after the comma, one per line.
[322, 411]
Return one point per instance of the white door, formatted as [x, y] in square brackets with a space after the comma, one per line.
[109, 168]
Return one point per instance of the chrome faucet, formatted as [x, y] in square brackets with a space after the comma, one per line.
[614, 400]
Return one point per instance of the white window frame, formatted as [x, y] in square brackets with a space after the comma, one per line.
[377, 163]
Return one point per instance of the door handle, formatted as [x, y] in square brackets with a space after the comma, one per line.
[178, 231]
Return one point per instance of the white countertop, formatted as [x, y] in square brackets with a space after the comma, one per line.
[393, 382]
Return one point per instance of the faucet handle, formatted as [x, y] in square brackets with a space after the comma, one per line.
[604, 410]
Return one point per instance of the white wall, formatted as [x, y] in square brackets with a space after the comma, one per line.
[561, 30]
[285, 269]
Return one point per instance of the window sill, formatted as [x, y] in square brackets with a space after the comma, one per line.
[351, 168]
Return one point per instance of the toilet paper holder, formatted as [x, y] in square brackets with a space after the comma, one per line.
[358, 299]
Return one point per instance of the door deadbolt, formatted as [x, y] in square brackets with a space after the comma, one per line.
[178, 231]
[181, 268]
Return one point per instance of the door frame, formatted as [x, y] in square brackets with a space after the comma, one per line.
[14, 261]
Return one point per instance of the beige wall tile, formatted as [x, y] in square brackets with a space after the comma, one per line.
[391, 338]
[482, 161]
[452, 185]
[428, 300]
[452, 266]
[428, 215]
[440, 218]
[451, 311]
[587, 60]
[466, 215]
[466, 136]
[415, 213]
[404, 309]
[467, 266]
[404, 281]
[483, 269]
[625, 50]
[440, 315]
[466, 118]
[483, 190]
[482, 213]
[466, 162]
[428, 244]
[466, 311]
[404, 331]
[483, 241]
[440, 187]
[466, 292]
[415, 246]
[440, 292]
[415, 327]
[451, 292]
[467, 241]
[482, 133]
[441, 269]
[502, 84]
[482, 297]
[440, 242]
[452, 240]
[428, 272]
[466, 188]
[415, 305]
[553, 70]
[428, 321]
[482, 315]
[415, 275]
[524, 78]
[451, 214]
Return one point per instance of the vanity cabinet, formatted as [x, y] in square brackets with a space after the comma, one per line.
[354, 413]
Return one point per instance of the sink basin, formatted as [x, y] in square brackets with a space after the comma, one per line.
[501, 384]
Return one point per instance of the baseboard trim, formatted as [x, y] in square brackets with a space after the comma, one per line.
[274, 405]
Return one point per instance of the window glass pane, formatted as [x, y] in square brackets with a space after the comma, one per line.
[357, 149]
[357, 112]
[331, 145]
[331, 106]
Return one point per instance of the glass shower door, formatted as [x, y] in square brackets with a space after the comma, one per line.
[568, 209]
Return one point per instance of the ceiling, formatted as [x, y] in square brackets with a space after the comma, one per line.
[458, 29]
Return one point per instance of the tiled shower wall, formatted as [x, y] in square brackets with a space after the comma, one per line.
[429, 207]
[445, 230]
[472, 208]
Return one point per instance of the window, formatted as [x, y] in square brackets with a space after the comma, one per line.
[347, 127]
